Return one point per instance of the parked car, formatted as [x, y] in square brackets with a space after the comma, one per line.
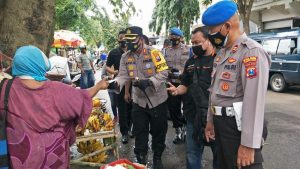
[284, 48]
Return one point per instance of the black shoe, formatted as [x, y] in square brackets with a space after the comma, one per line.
[125, 139]
[178, 136]
[141, 159]
[157, 163]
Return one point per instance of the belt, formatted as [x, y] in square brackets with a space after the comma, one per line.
[223, 111]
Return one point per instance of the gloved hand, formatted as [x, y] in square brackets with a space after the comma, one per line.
[142, 84]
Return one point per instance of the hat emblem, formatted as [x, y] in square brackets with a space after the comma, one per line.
[128, 31]
[218, 41]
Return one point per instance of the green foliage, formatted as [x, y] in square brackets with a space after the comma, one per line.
[96, 29]
[179, 13]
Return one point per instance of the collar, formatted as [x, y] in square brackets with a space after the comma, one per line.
[237, 43]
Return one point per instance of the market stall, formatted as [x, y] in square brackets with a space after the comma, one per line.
[97, 140]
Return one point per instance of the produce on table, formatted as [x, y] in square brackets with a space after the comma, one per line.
[120, 166]
[99, 120]
[87, 147]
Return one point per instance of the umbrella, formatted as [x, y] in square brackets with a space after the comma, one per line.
[67, 38]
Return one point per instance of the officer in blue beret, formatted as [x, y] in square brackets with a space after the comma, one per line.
[176, 56]
[235, 118]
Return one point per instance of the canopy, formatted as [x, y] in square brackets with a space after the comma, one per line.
[65, 38]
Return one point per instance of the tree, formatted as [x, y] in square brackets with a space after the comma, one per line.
[245, 7]
[179, 13]
[97, 28]
[27, 22]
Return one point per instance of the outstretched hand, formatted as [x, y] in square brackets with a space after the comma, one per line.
[172, 89]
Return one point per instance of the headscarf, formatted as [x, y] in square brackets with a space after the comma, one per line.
[30, 63]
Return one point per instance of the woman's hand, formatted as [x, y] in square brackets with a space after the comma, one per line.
[102, 84]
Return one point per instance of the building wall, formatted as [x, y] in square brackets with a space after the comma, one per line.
[275, 14]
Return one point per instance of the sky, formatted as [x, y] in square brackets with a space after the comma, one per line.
[144, 8]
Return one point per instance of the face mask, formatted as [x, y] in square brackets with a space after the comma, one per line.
[198, 50]
[217, 39]
[132, 46]
[175, 42]
[122, 44]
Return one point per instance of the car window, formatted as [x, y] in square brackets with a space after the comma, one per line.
[271, 46]
[284, 47]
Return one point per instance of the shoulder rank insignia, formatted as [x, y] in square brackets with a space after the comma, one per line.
[234, 48]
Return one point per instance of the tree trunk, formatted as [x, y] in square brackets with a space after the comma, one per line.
[245, 7]
[26, 22]
[246, 25]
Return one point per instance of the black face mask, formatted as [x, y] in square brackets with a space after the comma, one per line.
[122, 44]
[132, 46]
[198, 50]
[175, 42]
[217, 39]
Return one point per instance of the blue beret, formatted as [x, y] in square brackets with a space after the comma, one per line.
[176, 31]
[219, 13]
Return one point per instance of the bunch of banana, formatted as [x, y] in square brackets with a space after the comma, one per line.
[96, 102]
[87, 147]
[93, 124]
[106, 122]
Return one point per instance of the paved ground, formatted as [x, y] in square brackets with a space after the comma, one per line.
[283, 144]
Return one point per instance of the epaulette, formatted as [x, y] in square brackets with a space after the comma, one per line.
[251, 44]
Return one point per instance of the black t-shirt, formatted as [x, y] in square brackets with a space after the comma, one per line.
[114, 58]
[204, 66]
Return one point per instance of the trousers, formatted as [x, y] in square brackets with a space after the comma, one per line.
[195, 150]
[87, 79]
[228, 140]
[149, 121]
[174, 106]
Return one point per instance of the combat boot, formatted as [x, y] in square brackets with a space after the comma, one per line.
[157, 163]
[141, 158]
[178, 139]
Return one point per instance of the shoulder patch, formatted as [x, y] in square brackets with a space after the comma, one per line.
[158, 60]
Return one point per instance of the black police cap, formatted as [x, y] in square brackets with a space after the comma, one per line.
[134, 30]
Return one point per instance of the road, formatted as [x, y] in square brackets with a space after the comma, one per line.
[282, 150]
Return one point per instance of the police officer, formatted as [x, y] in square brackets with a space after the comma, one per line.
[195, 81]
[238, 90]
[117, 100]
[147, 69]
[176, 57]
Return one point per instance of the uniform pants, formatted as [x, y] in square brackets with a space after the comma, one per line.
[156, 120]
[228, 140]
[174, 106]
[194, 150]
[124, 110]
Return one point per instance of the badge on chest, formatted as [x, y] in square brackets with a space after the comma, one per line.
[131, 67]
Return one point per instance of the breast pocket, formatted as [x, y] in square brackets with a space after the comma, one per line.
[227, 84]
[149, 69]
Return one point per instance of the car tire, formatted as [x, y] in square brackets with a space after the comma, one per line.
[277, 83]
